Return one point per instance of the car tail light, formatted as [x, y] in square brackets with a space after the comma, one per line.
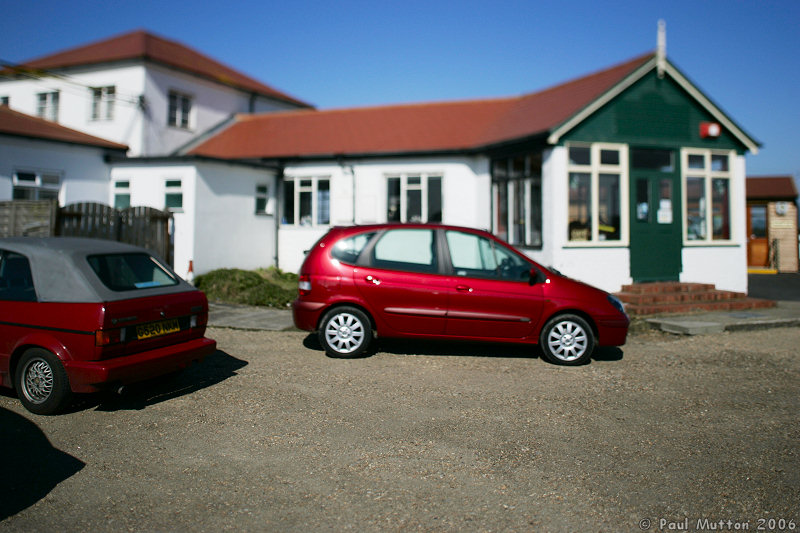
[198, 321]
[304, 284]
[107, 337]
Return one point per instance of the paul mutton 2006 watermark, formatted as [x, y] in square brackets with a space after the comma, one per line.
[709, 524]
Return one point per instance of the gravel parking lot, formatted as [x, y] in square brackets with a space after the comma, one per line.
[271, 435]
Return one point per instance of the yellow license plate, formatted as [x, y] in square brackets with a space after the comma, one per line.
[156, 329]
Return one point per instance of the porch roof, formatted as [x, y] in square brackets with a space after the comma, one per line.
[413, 128]
[22, 125]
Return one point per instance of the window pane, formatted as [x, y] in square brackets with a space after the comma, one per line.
[51, 179]
[122, 201]
[580, 155]
[347, 250]
[305, 208]
[414, 207]
[288, 202]
[413, 180]
[501, 218]
[720, 202]
[609, 207]
[261, 204]
[471, 255]
[646, 159]
[393, 200]
[665, 205]
[609, 157]
[697, 161]
[536, 213]
[758, 221]
[406, 249]
[27, 178]
[518, 167]
[518, 219]
[126, 272]
[16, 281]
[122, 184]
[434, 199]
[323, 202]
[642, 200]
[719, 163]
[695, 209]
[173, 183]
[23, 193]
[580, 206]
[45, 194]
[500, 168]
[173, 200]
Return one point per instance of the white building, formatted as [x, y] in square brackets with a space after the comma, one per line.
[630, 174]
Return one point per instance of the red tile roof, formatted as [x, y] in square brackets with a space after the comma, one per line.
[771, 188]
[143, 45]
[414, 128]
[22, 125]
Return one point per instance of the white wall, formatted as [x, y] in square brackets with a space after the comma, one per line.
[228, 231]
[84, 174]
[75, 100]
[465, 196]
[217, 227]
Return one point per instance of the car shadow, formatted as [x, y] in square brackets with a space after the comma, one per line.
[462, 348]
[32, 467]
[215, 369]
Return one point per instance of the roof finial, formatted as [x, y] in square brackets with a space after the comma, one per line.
[661, 50]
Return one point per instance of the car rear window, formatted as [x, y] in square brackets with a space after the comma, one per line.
[348, 249]
[132, 271]
[16, 282]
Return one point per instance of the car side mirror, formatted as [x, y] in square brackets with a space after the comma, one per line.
[537, 277]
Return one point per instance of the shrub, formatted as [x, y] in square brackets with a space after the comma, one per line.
[268, 287]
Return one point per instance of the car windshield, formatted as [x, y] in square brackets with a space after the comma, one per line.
[131, 271]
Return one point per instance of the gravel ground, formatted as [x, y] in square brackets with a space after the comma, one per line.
[271, 435]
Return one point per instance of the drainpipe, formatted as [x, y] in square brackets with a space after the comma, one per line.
[278, 210]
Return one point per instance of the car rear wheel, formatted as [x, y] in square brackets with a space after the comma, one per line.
[345, 332]
[567, 340]
[41, 382]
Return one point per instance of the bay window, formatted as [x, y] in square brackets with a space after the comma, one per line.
[597, 200]
[707, 187]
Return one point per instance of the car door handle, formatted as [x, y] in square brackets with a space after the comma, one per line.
[373, 280]
[463, 288]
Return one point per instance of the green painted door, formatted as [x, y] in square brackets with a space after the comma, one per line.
[655, 246]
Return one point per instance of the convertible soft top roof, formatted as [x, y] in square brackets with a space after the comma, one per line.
[61, 272]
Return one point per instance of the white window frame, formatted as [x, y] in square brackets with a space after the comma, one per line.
[262, 195]
[103, 101]
[47, 105]
[405, 187]
[170, 187]
[117, 188]
[708, 175]
[594, 169]
[313, 188]
[39, 183]
[183, 118]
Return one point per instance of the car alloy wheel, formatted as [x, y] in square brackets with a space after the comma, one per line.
[345, 332]
[567, 340]
[41, 382]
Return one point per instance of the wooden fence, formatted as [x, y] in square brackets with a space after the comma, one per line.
[143, 226]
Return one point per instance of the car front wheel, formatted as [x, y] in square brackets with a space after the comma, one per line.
[41, 382]
[345, 332]
[567, 340]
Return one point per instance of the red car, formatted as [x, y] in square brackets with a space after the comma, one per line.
[445, 282]
[80, 315]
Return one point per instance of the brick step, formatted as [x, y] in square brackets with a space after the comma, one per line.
[660, 287]
[697, 307]
[672, 297]
[678, 297]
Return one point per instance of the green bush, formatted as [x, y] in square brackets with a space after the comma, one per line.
[269, 287]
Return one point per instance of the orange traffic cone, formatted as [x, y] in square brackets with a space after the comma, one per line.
[190, 273]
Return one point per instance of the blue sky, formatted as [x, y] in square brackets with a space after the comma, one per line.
[346, 53]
